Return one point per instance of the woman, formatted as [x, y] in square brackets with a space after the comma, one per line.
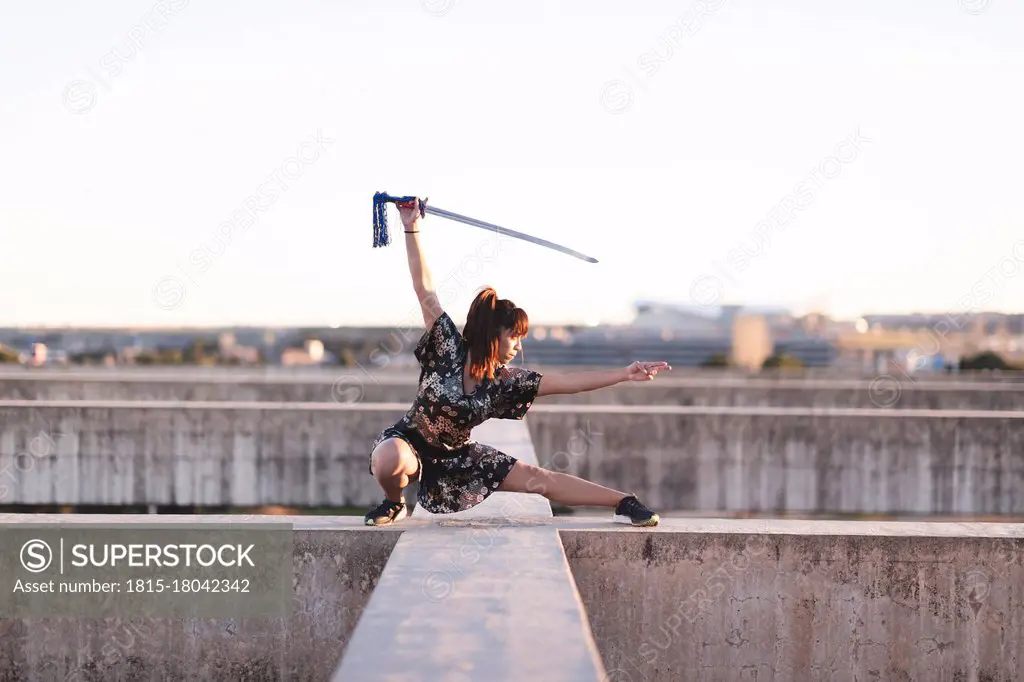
[464, 380]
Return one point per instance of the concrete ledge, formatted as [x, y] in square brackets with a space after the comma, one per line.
[190, 405]
[270, 406]
[484, 594]
[810, 601]
[328, 376]
[355, 386]
[474, 603]
[690, 599]
[785, 461]
[770, 411]
[336, 565]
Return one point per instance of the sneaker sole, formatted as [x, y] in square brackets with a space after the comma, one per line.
[385, 521]
[619, 518]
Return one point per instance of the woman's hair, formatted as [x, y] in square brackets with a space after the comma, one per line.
[488, 315]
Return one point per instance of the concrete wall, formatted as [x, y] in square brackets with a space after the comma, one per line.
[673, 607]
[792, 460]
[330, 372]
[771, 601]
[709, 459]
[238, 455]
[335, 569]
[350, 387]
[782, 393]
[121, 387]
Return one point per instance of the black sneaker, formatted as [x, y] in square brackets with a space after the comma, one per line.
[631, 511]
[385, 513]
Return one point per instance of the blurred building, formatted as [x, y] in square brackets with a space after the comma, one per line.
[311, 353]
[920, 342]
[231, 351]
[682, 335]
[38, 356]
[751, 341]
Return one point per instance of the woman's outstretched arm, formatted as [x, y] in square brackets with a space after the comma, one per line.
[579, 382]
[422, 283]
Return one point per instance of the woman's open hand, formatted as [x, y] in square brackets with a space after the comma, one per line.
[645, 371]
[410, 212]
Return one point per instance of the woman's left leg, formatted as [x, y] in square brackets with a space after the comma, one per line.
[565, 489]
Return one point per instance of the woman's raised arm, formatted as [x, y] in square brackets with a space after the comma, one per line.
[422, 283]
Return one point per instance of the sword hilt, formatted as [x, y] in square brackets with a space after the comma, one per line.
[381, 237]
[383, 196]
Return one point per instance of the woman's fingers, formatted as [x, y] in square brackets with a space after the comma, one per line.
[647, 370]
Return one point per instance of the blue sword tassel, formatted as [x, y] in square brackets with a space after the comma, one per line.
[381, 237]
[380, 220]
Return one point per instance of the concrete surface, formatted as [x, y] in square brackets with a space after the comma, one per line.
[757, 460]
[240, 373]
[336, 563]
[189, 453]
[483, 594]
[792, 460]
[678, 387]
[488, 594]
[805, 601]
[704, 599]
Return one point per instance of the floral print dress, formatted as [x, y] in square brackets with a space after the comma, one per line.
[455, 472]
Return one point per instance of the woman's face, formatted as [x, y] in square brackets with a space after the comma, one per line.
[508, 346]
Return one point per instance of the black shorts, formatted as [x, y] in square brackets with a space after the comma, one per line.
[452, 480]
[413, 438]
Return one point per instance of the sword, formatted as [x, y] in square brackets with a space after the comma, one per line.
[380, 225]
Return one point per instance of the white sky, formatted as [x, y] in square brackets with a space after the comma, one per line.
[554, 118]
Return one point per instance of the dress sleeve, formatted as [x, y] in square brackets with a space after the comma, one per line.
[517, 389]
[440, 343]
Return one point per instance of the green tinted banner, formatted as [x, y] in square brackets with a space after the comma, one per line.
[145, 570]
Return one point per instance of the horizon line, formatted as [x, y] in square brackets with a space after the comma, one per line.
[266, 325]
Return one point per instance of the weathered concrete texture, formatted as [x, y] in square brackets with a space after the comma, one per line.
[189, 453]
[483, 594]
[480, 602]
[733, 605]
[792, 460]
[869, 393]
[709, 459]
[336, 563]
[185, 387]
[480, 598]
[753, 392]
[343, 385]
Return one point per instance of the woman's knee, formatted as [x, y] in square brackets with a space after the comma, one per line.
[393, 457]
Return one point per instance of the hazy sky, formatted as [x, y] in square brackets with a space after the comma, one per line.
[865, 155]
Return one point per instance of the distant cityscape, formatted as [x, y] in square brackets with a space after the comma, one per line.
[683, 335]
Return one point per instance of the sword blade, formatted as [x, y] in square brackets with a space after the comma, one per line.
[504, 230]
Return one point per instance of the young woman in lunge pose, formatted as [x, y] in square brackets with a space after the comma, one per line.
[464, 380]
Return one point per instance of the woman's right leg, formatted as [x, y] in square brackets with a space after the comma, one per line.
[393, 464]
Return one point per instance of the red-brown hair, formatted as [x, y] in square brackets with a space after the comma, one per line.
[488, 315]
